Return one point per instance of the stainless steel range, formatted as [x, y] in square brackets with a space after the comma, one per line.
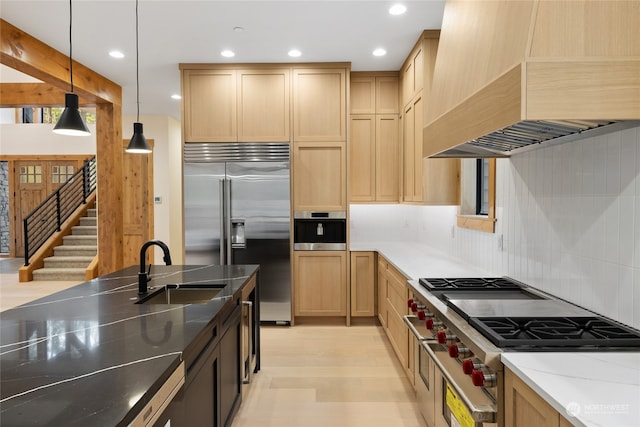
[463, 324]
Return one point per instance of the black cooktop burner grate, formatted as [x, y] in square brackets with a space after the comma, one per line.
[467, 283]
[555, 332]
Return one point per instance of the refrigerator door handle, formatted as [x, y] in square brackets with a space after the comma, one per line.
[227, 220]
[222, 222]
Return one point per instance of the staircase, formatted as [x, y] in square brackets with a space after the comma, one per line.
[70, 260]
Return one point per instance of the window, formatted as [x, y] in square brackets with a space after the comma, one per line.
[477, 195]
[31, 174]
[60, 174]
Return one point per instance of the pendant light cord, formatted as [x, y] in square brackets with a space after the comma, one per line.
[70, 45]
[137, 70]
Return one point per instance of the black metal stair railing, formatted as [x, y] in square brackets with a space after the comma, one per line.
[49, 216]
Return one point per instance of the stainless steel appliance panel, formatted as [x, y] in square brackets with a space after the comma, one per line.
[238, 212]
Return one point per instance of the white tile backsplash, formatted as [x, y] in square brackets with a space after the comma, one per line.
[569, 217]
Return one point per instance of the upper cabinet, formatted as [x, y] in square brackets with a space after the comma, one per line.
[263, 105]
[209, 105]
[424, 181]
[374, 150]
[319, 100]
[235, 105]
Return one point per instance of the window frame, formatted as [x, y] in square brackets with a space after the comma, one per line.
[485, 223]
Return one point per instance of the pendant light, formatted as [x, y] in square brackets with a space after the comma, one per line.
[138, 143]
[71, 122]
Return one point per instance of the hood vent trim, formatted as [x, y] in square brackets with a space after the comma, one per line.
[530, 134]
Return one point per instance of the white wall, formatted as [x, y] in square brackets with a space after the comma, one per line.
[167, 180]
[570, 219]
[31, 139]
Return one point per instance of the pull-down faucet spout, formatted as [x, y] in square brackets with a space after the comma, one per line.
[143, 275]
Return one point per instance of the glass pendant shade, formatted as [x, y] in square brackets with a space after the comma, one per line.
[71, 122]
[138, 143]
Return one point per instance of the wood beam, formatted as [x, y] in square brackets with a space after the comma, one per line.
[18, 95]
[29, 55]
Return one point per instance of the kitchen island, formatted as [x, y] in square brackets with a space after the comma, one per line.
[90, 355]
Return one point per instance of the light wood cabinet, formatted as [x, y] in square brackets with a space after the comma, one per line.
[392, 307]
[263, 105]
[363, 279]
[525, 408]
[209, 105]
[382, 291]
[320, 283]
[319, 102]
[424, 181]
[319, 176]
[374, 151]
[228, 105]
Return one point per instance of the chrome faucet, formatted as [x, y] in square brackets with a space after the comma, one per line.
[143, 275]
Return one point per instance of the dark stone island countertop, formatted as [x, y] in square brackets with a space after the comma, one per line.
[89, 356]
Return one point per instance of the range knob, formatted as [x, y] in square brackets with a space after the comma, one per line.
[414, 307]
[421, 314]
[470, 365]
[459, 350]
[432, 324]
[409, 302]
[445, 338]
[483, 378]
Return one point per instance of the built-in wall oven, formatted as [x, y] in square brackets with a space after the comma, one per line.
[320, 231]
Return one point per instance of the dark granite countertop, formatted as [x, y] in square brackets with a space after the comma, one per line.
[89, 356]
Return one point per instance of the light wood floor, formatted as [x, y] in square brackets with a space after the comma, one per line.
[311, 376]
[326, 376]
[14, 293]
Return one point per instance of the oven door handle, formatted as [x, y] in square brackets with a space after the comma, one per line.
[407, 319]
[480, 413]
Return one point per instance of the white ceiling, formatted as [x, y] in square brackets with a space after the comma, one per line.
[175, 31]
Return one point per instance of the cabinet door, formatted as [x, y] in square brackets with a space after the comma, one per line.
[230, 372]
[524, 407]
[202, 392]
[319, 102]
[412, 147]
[387, 95]
[408, 143]
[319, 176]
[363, 279]
[441, 181]
[263, 105]
[382, 292]
[398, 332]
[363, 154]
[209, 105]
[387, 177]
[362, 99]
[320, 283]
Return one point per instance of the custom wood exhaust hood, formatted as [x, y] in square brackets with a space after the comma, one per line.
[511, 74]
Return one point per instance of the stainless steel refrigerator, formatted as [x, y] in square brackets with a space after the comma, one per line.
[237, 211]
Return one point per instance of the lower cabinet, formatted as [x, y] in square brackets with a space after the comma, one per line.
[392, 284]
[525, 408]
[362, 284]
[212, 390]
[320, 283]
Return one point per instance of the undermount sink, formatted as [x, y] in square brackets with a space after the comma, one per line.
[184, 294]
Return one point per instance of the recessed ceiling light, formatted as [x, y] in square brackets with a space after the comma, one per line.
[294, 53]
[176, 96]
[397, 9]
[379, 52]
[227, 53]
[238, 29]
[116, 54]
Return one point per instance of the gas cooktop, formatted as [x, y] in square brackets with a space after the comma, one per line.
[467, 283]
[557, 333]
